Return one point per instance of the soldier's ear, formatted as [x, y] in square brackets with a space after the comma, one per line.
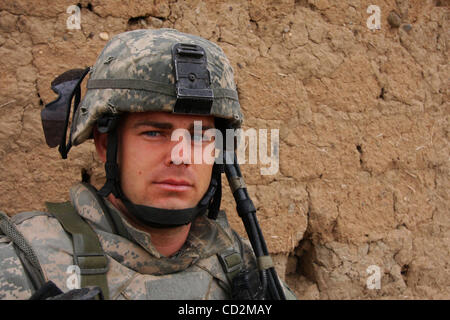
[101, 142]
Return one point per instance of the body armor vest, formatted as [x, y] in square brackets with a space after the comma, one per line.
[125, 259]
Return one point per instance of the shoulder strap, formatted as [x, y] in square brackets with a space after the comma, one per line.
[24, 251]
[88, 254]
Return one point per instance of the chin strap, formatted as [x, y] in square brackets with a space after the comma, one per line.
[167, 218]
[108, 125]
[217, 197]
[151, 216]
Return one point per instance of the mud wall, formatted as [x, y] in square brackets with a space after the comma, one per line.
[361, 193]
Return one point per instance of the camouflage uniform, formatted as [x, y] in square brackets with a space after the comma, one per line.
[136, 270]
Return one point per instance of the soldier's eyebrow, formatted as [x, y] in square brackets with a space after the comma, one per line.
[156, 124]
[203, 127]
[165, 125]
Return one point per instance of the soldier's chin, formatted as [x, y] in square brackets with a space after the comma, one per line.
[173, 204]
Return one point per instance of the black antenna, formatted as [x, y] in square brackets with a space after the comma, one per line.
[247, 211]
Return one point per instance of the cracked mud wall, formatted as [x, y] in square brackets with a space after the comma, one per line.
[363, 116]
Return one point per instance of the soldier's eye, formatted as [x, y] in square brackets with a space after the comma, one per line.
[152, 133]
[209, 135]
[197, 138]
[201, 138]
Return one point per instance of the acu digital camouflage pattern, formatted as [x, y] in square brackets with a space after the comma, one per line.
[136, 269]
[146, 55]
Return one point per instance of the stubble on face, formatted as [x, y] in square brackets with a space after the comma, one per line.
[148, 174]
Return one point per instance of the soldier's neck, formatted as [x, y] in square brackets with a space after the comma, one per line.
[166, 240]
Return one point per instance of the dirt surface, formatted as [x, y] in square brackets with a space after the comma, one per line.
[363, 118]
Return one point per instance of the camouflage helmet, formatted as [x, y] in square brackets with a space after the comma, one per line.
[145, 57]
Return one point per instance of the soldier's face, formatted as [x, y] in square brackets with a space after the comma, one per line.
[148, 171]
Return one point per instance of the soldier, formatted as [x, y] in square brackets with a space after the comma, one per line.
[154, 230]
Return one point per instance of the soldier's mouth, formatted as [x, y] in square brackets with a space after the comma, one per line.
[174, 185]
